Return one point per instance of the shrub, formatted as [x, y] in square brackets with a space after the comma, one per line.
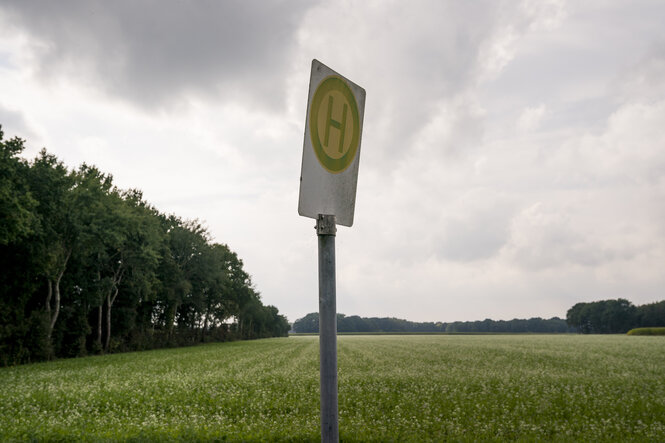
[647, 331]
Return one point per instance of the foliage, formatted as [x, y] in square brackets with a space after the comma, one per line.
[391, 388]
[647, 331]
[652, 314]
[356, 324]
[90, 268]
[310, 323]
[614, 316]
[16, 202]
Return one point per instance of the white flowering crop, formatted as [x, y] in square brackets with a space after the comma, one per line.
[391, 388]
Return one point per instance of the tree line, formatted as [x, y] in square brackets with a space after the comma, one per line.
[615, 316]
[599, 317]
[88, 268]
[354, 323]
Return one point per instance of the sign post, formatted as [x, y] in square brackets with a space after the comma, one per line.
[325, 230]
[328, 179]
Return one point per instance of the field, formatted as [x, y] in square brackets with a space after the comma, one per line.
[391, 388]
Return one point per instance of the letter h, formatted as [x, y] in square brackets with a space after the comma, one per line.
[335, 124]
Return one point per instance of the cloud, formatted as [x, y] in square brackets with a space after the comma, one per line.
[512, 155]
[646, 80]
[455, 128]
[155, 54]
[510, 26]
[543, 239]
[475, 226]
[14, 123]
[530, 118]
[544, 14]
[413, 61]
[603, 194]
[627, 153]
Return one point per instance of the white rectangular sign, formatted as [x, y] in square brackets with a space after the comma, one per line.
[331, 150]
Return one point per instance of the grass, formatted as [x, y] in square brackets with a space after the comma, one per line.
[391, 388]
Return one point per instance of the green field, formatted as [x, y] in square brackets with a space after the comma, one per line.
[391, 388]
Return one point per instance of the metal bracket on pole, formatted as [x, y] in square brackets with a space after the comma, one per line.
[325, 225]
[325, 230]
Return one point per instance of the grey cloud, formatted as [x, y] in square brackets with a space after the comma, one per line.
[152, 52]
[411, 60]
[646, 80]
[477, 228]
[426, 68]
[14, 124]
[542, 240]
[473, 239]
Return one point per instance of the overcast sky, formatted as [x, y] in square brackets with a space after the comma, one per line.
[513, 153]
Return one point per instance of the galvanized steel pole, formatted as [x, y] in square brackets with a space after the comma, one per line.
[325, 230]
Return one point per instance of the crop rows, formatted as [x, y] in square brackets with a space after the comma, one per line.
[391, 388]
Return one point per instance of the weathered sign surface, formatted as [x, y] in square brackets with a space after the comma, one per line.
[331, 150]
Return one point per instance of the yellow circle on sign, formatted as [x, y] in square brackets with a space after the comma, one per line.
[334, 124]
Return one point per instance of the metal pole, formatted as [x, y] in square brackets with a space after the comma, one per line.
[325, 230]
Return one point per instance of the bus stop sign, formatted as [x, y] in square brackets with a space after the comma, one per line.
[331, 150]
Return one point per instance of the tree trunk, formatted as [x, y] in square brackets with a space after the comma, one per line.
[109, 302]
[56, 308]
[205, 325]
[100, 312]
[117, 278]
[170, 319]
[108, 322]
[49, 294]
[54, 288]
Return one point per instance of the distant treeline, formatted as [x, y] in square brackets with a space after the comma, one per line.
[599, 317]
[86, 267]
[615, 316]
[354, 323]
